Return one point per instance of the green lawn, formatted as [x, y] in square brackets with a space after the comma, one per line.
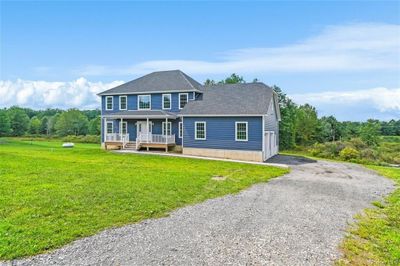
[375, 239]
[50, 196]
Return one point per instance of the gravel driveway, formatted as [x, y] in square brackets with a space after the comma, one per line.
[296, 219]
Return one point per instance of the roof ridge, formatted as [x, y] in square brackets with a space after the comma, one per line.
[183, 75]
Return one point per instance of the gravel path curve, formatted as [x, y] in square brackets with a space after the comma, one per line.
[296, 219]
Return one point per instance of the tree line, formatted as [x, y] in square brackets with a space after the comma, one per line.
[17, 121]
[300, 126]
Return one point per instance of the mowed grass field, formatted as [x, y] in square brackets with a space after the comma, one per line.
[50, 196]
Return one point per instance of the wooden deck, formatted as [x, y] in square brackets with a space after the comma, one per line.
[156, 146]
[113, 145]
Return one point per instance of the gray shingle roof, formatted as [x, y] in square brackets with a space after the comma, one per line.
[231, 99]
[159, 114]
[172, 80]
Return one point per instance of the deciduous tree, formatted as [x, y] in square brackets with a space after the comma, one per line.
[71, 122]
[5, 126]
[19, 121]
[34, 125]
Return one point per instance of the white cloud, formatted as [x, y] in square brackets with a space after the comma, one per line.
[381, 99]
[43, 94]
[352, 47]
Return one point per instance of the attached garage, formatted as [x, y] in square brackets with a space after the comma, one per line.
[270, 144]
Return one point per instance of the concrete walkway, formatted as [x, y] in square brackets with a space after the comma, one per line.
[296, 219]
[172, 154]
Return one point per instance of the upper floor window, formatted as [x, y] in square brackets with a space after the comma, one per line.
[144, 102]
[241, 131]
[183, 99]
[109, 103]
[166, 101]
[123, 102]
[200, 130]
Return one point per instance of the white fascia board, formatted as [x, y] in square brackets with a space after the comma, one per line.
[146, 92]
[216, 115]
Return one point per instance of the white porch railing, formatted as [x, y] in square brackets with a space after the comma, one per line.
[154, 138]
[117, 137]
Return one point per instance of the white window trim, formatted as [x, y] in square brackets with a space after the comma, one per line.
[138, 106]
[112, 127]
[179, 100]
[112, 103]
[170, 101]
[126, 102]
[180, 132]
[247, 130]
[195, 130]
[163, 128]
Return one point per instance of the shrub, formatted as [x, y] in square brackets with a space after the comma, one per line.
[368, 154]
[328, 149]
[349, 153]
[357, 144]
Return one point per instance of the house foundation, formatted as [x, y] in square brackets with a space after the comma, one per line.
[254, 156]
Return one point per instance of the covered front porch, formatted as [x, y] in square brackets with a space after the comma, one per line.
[139, 129]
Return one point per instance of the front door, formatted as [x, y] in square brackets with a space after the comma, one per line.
[143, 130]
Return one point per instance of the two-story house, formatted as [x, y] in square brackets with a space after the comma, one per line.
[170, 110]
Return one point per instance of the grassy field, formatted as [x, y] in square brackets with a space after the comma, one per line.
[375, 239]
[50, 196]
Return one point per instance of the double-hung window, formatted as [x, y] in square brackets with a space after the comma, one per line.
[144, 102]
[200, 130]
[241, 131]
[109, 103]
[109, 128]
[180, 130]
[166, 129]
[124, 127]
[183, 99]
[166, 101]
[123, 102]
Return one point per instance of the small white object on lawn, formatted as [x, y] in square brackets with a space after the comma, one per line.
[68, 145]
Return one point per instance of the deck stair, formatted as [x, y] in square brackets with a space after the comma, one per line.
[130, 146]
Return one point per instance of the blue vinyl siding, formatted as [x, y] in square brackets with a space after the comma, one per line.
[220, 133]
[156, 102]
[132, 102]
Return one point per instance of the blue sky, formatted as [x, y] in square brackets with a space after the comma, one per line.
[343, 57]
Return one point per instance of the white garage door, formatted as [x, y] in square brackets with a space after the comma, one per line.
[270, 148]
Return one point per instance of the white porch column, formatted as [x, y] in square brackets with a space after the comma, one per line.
[148, 130]
[104, 129]
[166, 134]
[120, 129]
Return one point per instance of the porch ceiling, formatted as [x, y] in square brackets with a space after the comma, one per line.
[141, 114]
